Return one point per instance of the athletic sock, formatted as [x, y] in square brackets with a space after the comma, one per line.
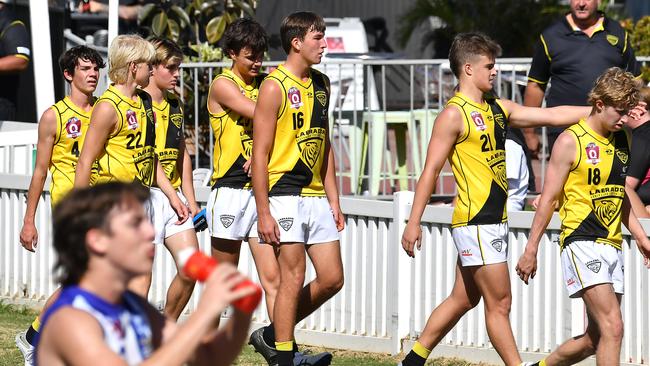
[285, 353]
[268, 334]
[417, 357]
[30, 336]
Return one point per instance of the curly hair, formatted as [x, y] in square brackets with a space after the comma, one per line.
[467, 46]
[82, 210]
[616, 88]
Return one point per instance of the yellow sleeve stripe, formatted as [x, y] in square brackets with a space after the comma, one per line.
[20, 55]
[548, 56]
[537, 81]
[15, 22]
[625, 43]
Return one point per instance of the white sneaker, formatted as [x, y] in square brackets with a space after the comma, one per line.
[25, 348]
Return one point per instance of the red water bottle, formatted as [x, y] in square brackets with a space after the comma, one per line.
[198, 267]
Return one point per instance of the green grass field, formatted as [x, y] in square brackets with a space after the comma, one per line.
[14, 319]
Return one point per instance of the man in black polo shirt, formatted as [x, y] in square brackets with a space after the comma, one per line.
[14, 58]
[638, 173]
[571, 54]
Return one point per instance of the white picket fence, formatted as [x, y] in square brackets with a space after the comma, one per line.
[387, 296]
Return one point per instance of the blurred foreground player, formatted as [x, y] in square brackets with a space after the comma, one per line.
[103, 240]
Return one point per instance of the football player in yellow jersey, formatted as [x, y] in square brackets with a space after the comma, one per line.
[177, 167]
[122, 135]
[231, 206]
[294, 179]
[470, 132]
[60, 136]
[587, 168]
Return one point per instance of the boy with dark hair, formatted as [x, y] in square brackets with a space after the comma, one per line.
[103, 240]
[61, 133]
[231, 206]
[587, 169]
[294, 179]
[471, 133]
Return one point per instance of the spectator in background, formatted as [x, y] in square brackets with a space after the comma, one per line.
[516, 170]
[638, 174]
[571, 54]
[15, 54]
[127, 11]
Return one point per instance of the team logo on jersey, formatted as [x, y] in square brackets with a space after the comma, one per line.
[594, 265]
[593, 153]
[247, 145]
[477, 117]
[286, 223]
[607, 208]
[500, 120]
[310, 148]
[144, 163]
[177, 120]
[321, 96]
[499, 170]
[612, 39]
[294, 97]
[73, 128]
[226, 220]
[622, 156]
[132, 120]
[497, 244]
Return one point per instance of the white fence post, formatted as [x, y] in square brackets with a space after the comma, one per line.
[402, 202]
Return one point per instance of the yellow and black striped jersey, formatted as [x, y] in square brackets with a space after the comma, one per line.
[301, 134]
[169, 134]
[233, 141]
[129, 153]
[595, 187]
[71, 125]
[478, 162]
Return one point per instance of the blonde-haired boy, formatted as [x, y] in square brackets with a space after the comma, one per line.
[122, 131]
[587, 168]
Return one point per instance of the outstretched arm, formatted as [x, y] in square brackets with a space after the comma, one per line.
[447, 127]
[524, 117]
[562, 158]
[46, 137]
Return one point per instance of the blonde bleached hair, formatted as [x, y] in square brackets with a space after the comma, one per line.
[616, 88]
[124, 50]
